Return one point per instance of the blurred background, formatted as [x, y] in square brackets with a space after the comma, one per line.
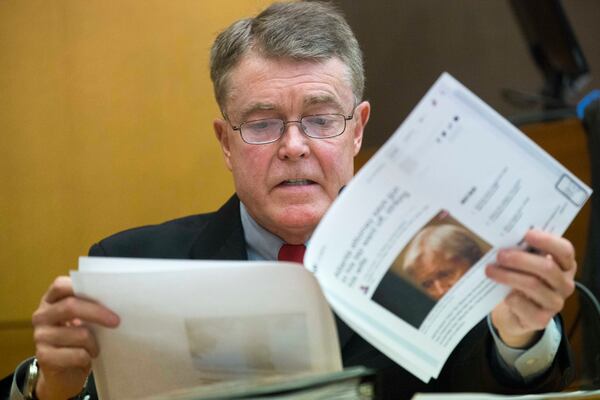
[106, 113]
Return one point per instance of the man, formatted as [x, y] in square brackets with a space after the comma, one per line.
[289, 83]
[438, 257]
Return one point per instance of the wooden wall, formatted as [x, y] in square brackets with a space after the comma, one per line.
[106, 113]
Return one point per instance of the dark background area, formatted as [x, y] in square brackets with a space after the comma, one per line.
[407, 44]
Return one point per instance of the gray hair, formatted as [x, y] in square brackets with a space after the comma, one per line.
[302, 31]
[446, 240]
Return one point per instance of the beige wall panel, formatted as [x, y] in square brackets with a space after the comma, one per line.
[106, 113]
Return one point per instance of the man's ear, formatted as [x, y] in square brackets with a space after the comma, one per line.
[363, 111]
[220, 127]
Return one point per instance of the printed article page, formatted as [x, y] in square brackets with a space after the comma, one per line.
[401, 253]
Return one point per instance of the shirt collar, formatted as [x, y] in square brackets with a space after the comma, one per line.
[260, 243]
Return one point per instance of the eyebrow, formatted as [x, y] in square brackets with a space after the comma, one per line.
[247, 111]
[308, 101]
[322, 99]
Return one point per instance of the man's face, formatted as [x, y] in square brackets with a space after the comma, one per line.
[436, 274]
[288, 185]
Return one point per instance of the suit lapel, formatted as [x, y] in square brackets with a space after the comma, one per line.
[223, 237]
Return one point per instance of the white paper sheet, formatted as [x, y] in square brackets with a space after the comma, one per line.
[184, 323]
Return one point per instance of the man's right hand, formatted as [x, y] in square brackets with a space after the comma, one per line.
[63, 340]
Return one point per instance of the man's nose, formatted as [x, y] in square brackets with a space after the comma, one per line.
[294, 144]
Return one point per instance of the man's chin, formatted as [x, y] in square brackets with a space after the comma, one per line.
[295, 220]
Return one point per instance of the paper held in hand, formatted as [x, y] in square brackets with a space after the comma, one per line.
[186, 323]
[400, 257]
[401, 253]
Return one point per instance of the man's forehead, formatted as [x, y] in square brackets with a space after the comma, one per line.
[333, 72]
[425, 263]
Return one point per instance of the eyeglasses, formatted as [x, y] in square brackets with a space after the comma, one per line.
[320, 126]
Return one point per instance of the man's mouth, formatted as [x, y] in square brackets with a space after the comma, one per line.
[297, 182]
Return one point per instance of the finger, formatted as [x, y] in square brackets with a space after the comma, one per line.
[560, 248]
[73, 308]
[59, 289]
[543, 267]
[57, 336]
[503, 312]
[63, 357]
[529, 314]
[530, 285]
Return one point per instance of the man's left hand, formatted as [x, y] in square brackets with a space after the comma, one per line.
[541, 281]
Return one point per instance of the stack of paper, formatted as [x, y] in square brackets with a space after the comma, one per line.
[188, 323]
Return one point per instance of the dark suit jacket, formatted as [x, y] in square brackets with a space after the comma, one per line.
[472, 366]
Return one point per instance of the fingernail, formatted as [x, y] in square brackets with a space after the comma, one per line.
[115, 320]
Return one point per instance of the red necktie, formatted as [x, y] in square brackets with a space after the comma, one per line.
[292, 252]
